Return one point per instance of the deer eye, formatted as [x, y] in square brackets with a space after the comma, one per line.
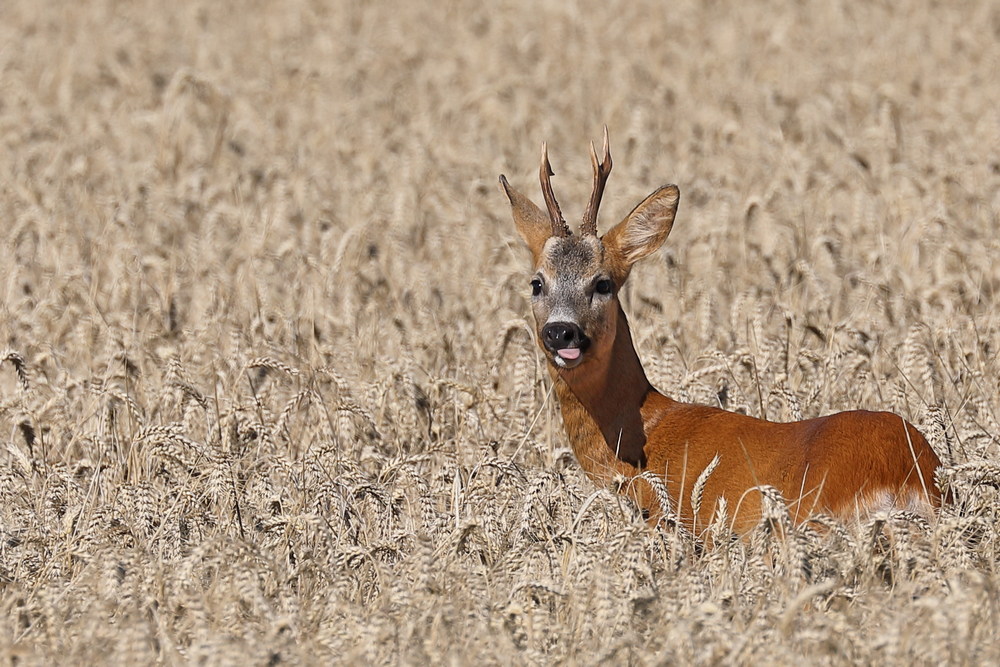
[603, 286]
[536, 287]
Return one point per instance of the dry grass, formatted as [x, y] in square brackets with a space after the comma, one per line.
[270, 394]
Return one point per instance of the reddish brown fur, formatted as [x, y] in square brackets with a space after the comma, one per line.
[839, 464]
[843, 464]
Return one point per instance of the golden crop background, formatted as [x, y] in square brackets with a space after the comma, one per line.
[269, 392]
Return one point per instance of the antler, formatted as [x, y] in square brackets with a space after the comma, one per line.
[601, 172]
[559, 226]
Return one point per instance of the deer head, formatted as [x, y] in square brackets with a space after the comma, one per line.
[577, 277]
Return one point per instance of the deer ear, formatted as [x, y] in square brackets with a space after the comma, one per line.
[532, 224]
[644, 229]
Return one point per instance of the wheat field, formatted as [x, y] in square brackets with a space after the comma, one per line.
[268, 390]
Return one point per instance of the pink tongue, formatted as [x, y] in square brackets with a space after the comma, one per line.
[569, 352]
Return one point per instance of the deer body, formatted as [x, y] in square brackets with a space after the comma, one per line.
[844, 464]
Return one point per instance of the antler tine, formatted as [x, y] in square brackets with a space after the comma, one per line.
[559, 226]
[602, 170]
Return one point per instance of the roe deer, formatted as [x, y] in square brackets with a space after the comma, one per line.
[846, 464]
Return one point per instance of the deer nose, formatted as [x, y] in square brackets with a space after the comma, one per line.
[560, 335]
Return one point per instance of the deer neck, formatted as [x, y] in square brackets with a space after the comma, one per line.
[601, 402]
